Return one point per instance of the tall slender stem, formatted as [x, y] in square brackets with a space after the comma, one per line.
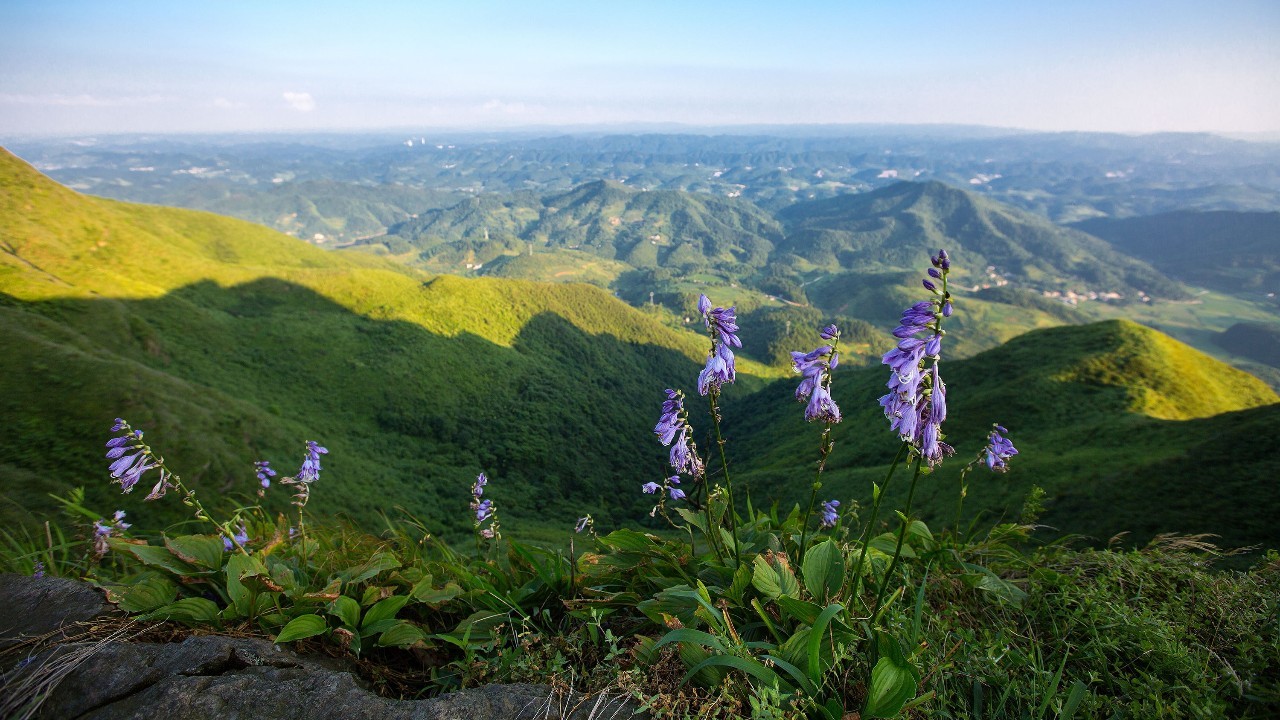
[825, 450]
[902, 534]
[724, 463]
[875, 511]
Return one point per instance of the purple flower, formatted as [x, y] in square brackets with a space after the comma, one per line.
[241, 536]
[265, 473]
[37, 572]
[483, 509]
[829, 515]
[673, 429]
[130, 456]
[916, 403]
[650, 488]
[676, 493]
[310, 470]
[822, 407]
[999, 449]
[583, 523]
[723, 327]
[815, 386]
[103, 530]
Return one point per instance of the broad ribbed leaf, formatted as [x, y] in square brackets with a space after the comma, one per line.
[191, 610]
[205, 551]
[823, 570]
[402, 634]
[303, 626]
[146, 595]
[384, 610]
[346, 610]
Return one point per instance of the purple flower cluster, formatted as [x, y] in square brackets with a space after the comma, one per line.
[999, 449]
[241, 536]
[673, 429]
[307, 474]
[102, 530]
[723, 326]
[310, 470]
[816, 367]
[829, 514]
[265, 473]
[484, 509]
[916, 403]
[131, 458]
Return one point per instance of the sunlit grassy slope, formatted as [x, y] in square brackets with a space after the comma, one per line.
[1126, 428]
[230, 343]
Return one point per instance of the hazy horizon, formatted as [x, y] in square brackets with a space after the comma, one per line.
[77, 67]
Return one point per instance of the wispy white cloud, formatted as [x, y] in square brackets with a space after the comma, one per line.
[225, 104]
[300, 101]
[81, 100]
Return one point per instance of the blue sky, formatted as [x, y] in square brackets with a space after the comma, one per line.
[121, 66]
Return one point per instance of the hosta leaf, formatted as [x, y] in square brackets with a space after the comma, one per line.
[402, 634]
[303, 626]
[823, 570]
[191, 610]
[377, 563]
[154, 556]
[346, 610]
[893, 683]
[205, 551]
[146, 595]
[384, 610]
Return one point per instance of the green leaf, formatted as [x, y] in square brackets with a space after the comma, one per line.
[816, 636]
[752, 667]
[823, 570]
[765, 578]
[402, 634]
[346, 610]
[696, 637]
[204, 551]
[434, 597]
[693, 518]
[190, 610]
[303, 626]
[377, 563]
[892, 685]
[741, 581]
[893, 679]
[155, 557]
[629, 540]
[802, 610]
[147, 594]
[384, 610]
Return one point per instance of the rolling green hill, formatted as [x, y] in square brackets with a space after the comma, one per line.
[644, 229]
[891, 228]
[1125, 428]
[1231, 252]
[228, 343]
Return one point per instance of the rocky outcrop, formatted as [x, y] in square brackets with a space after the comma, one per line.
[216, 677]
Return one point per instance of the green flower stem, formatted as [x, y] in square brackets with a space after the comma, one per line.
[724, 463]
[825, 450]
[902, 534]
[871, 523]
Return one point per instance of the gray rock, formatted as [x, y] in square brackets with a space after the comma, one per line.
[35, 606]
[223, 678]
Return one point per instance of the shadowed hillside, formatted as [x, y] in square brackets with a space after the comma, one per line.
[231, 343]
[1126, 428]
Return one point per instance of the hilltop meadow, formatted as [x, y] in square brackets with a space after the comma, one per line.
[481, 494]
